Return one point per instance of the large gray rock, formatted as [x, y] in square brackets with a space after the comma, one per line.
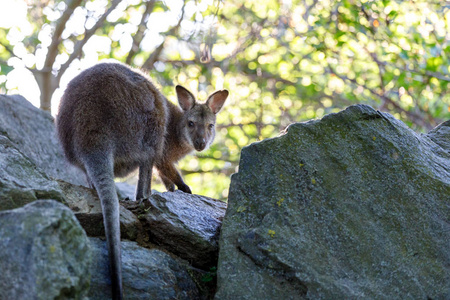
[147, 274]
[186, 225]
[21, 182]
[85, 203]
[44, 253]
[33, 132]
[352, 206]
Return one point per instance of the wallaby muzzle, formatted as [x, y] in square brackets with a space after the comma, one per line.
[199, 144]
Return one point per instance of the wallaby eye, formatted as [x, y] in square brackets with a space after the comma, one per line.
[211, 126]
[191, 124]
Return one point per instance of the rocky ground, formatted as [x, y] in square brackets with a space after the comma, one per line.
[355, 205]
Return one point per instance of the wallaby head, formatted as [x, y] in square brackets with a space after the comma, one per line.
[199, 119]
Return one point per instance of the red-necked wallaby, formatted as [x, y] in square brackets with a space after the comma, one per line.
[112, 120]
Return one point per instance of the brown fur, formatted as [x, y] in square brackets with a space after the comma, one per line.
[112, 120]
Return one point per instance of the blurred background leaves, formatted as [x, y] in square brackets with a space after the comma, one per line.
[282, 61]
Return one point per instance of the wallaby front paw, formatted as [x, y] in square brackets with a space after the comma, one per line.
[126, 201]
[142, 201]
[170, 187]
[185, 189]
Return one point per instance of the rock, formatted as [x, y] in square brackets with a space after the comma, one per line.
[33, 132]
[353, 206]
[441, 136]
[21, 182]
[85, 203]
[125, 190]
[44, 253]
[147, 274]
[186, 225]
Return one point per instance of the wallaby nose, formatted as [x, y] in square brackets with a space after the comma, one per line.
[200, 144]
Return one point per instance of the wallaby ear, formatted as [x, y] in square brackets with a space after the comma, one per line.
[185, 98]
[216, 100]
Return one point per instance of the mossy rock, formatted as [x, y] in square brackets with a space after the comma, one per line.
[355, 205]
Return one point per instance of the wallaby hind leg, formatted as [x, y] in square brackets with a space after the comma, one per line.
[144, 186]
[89, 182]
[100, 169]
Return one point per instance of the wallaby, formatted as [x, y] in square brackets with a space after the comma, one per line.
[113, 120]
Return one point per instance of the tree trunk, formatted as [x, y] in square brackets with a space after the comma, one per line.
[47, 85]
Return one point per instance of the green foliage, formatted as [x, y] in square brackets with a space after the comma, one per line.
[291, 63]
[208, 277]
[282, 61]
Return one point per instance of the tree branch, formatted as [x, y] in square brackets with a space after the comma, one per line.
[138, 37]
[56, 38]
[308, 9]
[7, 49]
[426, 73]
[224, 159]
[416, 118]
[44, 77]
[88, 34]
[226, 171]
[11, 52]
[148, 64]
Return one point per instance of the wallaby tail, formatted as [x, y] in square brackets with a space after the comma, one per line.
[100, 169]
